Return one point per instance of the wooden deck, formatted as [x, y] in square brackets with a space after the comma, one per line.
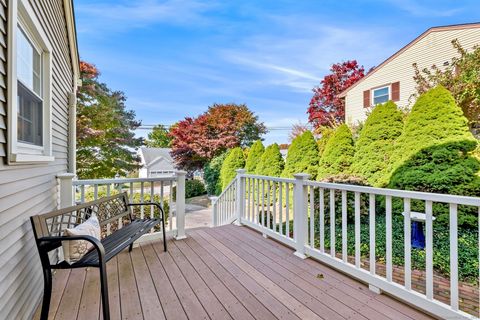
[226, 272]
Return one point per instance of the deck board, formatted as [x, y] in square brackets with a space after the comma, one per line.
[226, 272]
[349, 287]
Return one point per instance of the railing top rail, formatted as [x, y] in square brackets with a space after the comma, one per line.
[122, 180]
[435, 197]
[275, 179]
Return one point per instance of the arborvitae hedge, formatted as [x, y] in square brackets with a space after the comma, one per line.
[338, 154]
[271, 163]
[233, 161]
[375, 145]
[211, 174]
[433, 154]
[302, 156]
[326, 133]
[254, 154]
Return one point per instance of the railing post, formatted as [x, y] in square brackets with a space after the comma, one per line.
[214, 211]
[65, 182]
[300, 213]
[240, 196]
[180, 205]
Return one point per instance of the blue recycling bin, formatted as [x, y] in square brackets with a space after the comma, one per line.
[418, 237]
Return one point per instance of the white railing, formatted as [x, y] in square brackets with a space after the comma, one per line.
[139, 190]
[224, 207]
[303, 214]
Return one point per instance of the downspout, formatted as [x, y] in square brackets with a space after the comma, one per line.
[72, 129]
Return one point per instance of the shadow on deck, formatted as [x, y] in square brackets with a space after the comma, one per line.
[226, 272]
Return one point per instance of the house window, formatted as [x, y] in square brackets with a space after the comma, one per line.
[29, 95]
[381, 95]
[29, 89]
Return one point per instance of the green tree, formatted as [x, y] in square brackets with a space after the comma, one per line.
[106, 140]
[159, 137]
[325, 134]
[433, 153]
[338, 154]
[302, 156]
[461, 77]
[254, 154]
[211, 174]
[233, 161]
[271, 162]
[375, 145]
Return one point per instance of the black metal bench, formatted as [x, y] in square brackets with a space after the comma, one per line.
[114, 212]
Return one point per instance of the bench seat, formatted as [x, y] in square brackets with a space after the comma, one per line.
[114, 243]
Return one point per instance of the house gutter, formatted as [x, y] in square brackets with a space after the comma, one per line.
[72, 97]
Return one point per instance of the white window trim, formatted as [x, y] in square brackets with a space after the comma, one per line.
[389, 86]
[21, 13]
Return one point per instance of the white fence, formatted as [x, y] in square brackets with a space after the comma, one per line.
[295, 212]
[139, 190]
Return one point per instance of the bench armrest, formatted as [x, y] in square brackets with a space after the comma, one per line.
[96, 243]
[149, 204]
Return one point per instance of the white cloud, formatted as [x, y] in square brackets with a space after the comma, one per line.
[420, 9]
[140, 13]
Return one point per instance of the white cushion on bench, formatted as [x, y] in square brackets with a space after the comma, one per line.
[75, 249]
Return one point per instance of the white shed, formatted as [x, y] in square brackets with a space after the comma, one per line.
[156, 162]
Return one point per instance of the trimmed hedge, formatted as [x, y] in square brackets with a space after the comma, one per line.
[375, 145]
[254, 154]
[193, 188]
[211, 174]
[271, 163]
[302, 156]
[434, 153]
[233, 161]
[326, 134]
[338, 154]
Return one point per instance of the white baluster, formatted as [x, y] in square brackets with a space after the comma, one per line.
[344, 226]
[388, 220]
[357, 230]
[429, 249]
[408, 244]
[332, 222]
[322, 219]
[371, 208]
[453, 256]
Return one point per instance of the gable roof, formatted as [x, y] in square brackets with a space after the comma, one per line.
[152, 155]
[410, 44]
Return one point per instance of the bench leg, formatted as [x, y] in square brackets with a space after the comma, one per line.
[130, 247]
[164, 235]
[104, 288]
[47, 293]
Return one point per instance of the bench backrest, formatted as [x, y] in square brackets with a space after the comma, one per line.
[108, 209]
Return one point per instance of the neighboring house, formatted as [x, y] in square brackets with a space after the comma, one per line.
[39, 71]
[156, 162]
[393, 78]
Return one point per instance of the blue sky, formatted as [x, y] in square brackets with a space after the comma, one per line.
[174, 58]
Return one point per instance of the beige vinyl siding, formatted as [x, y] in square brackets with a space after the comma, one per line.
[434, 48]
[26, 190]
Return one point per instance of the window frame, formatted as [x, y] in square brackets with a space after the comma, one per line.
[388, 86]
[23, 19]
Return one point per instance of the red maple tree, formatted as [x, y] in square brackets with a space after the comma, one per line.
[195, 141]
[326, 107]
